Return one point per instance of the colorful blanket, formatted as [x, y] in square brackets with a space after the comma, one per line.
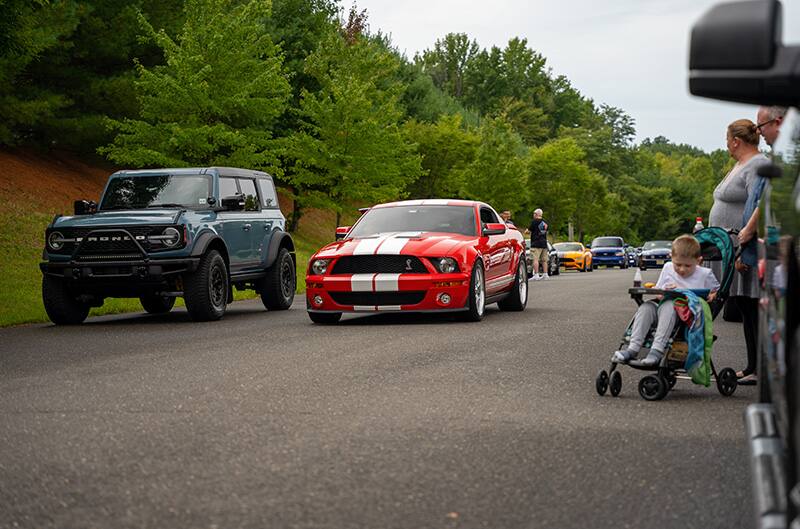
[696, 314]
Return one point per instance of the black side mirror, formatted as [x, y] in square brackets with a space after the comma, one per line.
[736, 54]
[770, 170]
[211, 201]
[234, 203]
[85, 207]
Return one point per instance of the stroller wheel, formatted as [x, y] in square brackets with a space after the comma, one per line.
[601, 382]
[653, 387]
[726, 381]
[616, 383]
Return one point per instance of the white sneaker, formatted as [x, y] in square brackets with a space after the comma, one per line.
[535, 277]
[545, 277]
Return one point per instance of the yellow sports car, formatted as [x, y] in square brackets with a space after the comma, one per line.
[574, 256]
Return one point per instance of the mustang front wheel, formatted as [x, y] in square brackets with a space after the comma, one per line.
[476, 303]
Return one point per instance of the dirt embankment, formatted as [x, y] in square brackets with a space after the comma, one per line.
[50, 182]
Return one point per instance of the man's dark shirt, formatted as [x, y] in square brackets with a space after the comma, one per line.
[538, 229]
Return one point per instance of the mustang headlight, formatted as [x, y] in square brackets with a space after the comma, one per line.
[446, 265]
[320, 266]
[55, 241]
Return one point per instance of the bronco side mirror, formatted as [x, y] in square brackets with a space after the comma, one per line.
[341, 232]
[233, 203]
[85, 207]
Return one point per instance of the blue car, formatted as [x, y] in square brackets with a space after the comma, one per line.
[655, 254]
[609, 251]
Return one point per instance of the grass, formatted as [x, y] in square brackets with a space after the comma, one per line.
[21, 244]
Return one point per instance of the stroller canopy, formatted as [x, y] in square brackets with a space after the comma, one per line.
[716, 245]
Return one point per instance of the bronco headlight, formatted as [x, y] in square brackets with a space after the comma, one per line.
[320, 266]
[55, 241]
[171, 237]
[446, 265]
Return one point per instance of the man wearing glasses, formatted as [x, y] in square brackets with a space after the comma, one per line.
[769, 121]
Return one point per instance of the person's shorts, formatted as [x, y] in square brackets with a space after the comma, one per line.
[539, 254]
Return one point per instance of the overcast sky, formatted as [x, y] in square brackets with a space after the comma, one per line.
[630, 54]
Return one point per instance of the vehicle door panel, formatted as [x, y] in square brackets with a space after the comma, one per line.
[232, 224]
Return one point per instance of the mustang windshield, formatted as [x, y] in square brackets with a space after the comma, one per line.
[137, 192]
[567, 247]
[447, 219]
[657, 245]
[601, 242]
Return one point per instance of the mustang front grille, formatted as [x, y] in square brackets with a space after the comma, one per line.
[380, 264]
[378, 298]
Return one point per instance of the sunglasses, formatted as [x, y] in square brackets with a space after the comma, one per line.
[760, 125]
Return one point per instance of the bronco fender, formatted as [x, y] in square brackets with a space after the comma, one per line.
[204, 240]
[278, 240]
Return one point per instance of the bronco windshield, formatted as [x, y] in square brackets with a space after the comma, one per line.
[567, 247]
[657, 245]
[153, 191]
[447, 219]
[600, 242]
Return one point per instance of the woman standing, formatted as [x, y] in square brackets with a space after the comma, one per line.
[730, 197]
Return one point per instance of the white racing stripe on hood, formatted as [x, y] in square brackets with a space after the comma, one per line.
[395, 244]
[387, 282]
[368, 246]
[361, 282]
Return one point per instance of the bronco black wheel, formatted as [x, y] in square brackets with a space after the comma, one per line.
[616, 383]
[326, 318]
[518, 297]
[653, 387]
[157, 304]
[601, 382]
[726, 382]
[278, 286]
[476, 302]
[206, 289]
[61, 305]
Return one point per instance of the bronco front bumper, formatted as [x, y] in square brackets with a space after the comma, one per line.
[144, 270]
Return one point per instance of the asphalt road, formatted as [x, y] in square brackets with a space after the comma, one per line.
[264, 420]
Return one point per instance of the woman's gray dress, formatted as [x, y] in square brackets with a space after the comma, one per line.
[730, 197]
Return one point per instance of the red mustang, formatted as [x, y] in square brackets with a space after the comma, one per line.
[419, 256]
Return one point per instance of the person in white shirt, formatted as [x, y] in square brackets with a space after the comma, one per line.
[683, 272]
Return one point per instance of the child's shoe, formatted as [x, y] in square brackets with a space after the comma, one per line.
[653, 358]
[623, 356]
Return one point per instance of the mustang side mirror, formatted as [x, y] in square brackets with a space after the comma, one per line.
[234, 203]
[341, 232]
[494, 228]
[85, 207]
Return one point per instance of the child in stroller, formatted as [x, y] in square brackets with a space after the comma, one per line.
[656, 324]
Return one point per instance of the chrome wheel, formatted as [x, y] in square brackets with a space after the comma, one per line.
[523, 285]
[479, 295]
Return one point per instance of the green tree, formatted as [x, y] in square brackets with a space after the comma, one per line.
[497, 173]
[351, 147]
[216, 98]
[30, 29]
[448, 61]
[447, 149]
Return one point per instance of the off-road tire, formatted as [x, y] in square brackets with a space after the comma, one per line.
[62, 307]
[325, 318]
[205, 290]
[278, 286]
[153, 304]
[476, 304]
[518, 296]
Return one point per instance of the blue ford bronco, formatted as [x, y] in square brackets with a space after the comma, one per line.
[159, 234]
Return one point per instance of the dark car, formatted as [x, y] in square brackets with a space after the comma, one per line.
[737, 54]
[609, 251]
[552, 259]
[159, 234]
[655, 254]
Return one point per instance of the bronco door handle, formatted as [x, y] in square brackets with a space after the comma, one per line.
[247, 227]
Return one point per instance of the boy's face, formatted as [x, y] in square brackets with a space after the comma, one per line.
[685, 266]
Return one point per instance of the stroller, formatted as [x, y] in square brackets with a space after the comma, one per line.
[716, 245]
